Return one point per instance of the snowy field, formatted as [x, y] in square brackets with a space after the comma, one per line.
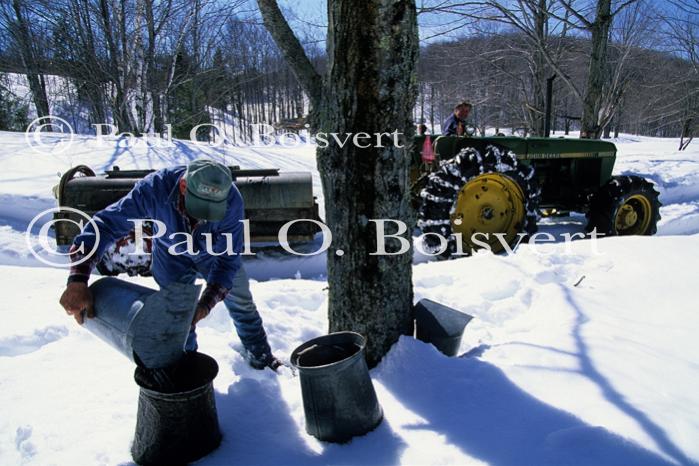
[580, 354]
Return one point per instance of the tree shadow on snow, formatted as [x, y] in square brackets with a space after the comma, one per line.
[588, 369]
[259, 430]
[121, 147]
[611, 394]
[483, 413]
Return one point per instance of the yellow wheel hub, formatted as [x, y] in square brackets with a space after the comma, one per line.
[633, 216]
[489, 203]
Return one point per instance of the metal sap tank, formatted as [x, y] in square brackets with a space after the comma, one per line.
[271, 199]
[292, 190]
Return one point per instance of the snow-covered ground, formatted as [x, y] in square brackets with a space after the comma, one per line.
[581, 354]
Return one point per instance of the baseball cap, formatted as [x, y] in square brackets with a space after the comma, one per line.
[208, 185]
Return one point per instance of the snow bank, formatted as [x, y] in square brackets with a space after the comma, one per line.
[551, 373]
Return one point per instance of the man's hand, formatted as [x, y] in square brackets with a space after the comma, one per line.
[275, 364]
[77, 298]
[263, 361]
[200, 313]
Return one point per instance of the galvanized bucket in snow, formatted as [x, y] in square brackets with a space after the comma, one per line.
[339, 400]
[149, 327]
[178, 425]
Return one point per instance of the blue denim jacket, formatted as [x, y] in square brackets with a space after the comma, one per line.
[156, 197]
[450, 124]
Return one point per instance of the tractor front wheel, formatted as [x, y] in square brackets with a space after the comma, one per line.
[477, 200]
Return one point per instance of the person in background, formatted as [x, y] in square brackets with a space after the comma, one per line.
[455, 125]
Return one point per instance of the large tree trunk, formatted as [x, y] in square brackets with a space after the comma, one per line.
[370, 88]
[598, 75]
[372, 48]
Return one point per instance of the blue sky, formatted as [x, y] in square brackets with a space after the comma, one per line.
[307, 8]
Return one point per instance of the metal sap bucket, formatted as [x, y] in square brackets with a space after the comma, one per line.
[339, 400]
[440, 325]
[178, 425]
[149, 327]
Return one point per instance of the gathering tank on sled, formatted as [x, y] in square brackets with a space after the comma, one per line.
[272, 199]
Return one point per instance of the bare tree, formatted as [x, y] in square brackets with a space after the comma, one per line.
[602, 93]
[682, 35]
[544, 25]
[185, 62]
[369, 87]
[16, 22]
[532, 19]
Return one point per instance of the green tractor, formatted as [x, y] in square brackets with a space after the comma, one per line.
[474, 189]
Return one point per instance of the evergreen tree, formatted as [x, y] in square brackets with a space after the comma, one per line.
[187, 101]
[13, 113]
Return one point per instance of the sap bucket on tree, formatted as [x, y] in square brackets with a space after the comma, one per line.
[440, 325]
[178, 425]
[339, 400]
[150, 327]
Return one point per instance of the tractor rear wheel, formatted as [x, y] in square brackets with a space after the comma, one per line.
[476, 196]
[626, 205]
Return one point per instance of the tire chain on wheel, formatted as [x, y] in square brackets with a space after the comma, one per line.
[605, 202]
[441, 192]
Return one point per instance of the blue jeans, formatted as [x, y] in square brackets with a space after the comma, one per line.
[241, 307]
